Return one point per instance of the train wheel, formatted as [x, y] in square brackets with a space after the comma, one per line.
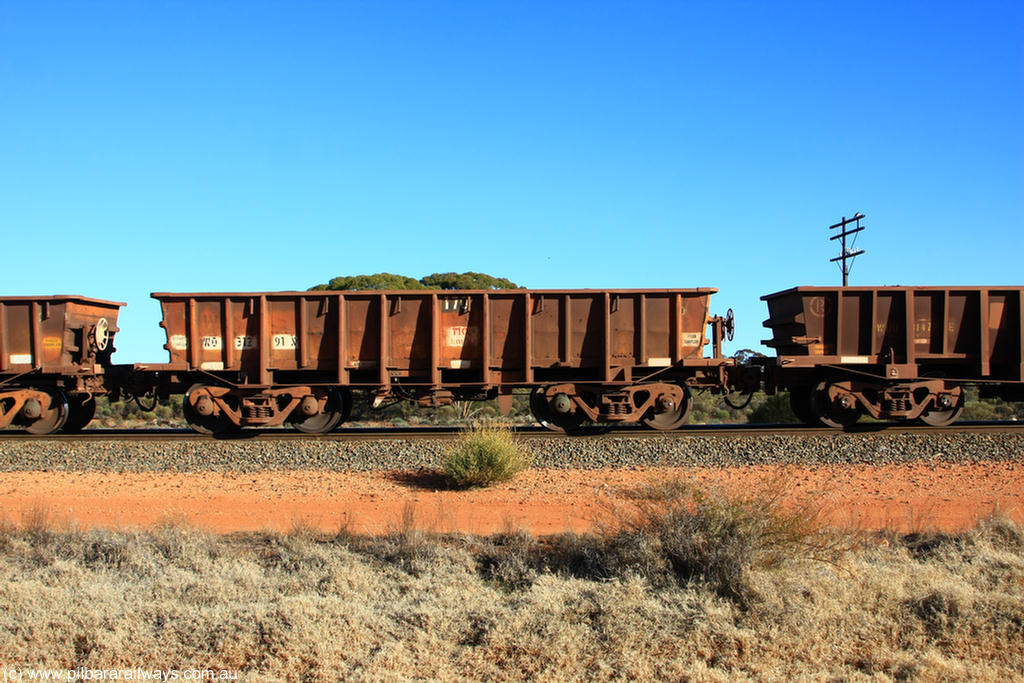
[551, 418]
[671, 414]
[335, 411]
[204, 424]
[81, 411]
[800, 403]
[940, 417]
[49, 419]
[827, 412]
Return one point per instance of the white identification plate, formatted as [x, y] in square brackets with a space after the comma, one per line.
[456, 336]
[285, 342]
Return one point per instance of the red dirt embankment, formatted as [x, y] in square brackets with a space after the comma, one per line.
[899, 497]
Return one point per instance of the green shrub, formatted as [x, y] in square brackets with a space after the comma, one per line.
[774, 409]
[485, 455]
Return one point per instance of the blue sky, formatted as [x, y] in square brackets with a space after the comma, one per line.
[191, 146]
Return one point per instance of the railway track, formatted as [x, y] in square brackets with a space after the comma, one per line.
[527, 432]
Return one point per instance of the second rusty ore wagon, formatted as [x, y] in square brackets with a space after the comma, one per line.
[894, 353]
[271, 358]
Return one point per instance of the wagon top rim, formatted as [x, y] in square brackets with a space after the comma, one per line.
[59, 298]
[896, 288]
[429, 292]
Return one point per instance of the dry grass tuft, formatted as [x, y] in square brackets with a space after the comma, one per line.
[37, 522]
[677, 533]
[692, 533]
[486, 454]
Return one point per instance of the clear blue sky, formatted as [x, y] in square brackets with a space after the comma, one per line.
[183, 146]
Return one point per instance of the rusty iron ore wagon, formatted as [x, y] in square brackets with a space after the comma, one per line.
[54, 358]
[273, 358]
[894, 353]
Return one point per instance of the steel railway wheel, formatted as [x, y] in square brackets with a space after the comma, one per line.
[827, 412]
[81, 411]
[669, 414]
[335, 411]
[800, 404]
[46, 420]
[546, 414]
[941, 417]
[197, 417]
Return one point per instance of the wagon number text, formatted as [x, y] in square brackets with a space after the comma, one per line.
[285, 341]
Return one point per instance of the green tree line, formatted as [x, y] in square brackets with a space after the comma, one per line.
[379, 281]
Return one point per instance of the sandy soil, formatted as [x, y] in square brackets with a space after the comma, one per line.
[905, 497]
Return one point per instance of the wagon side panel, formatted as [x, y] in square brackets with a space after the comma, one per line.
[460, 334]
[693, 321]
[507, 325]
[16, 347]
[56, 334]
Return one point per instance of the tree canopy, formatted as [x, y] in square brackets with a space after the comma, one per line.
[467, 280]
[375, 281]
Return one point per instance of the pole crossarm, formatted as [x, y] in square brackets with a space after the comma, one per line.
[847, 254]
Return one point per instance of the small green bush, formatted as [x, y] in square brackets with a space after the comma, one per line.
[485, 455]
[774, 410]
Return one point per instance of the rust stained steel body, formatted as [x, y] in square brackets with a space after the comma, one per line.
[894, 352]
[615, 354]
[54, 356]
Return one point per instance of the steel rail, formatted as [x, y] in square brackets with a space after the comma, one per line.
[528, 432]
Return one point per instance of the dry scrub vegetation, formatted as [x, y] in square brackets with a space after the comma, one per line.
[687, 585]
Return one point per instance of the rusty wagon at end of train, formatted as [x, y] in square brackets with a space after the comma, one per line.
[894, 353]
[248, 359]
[55, 359]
